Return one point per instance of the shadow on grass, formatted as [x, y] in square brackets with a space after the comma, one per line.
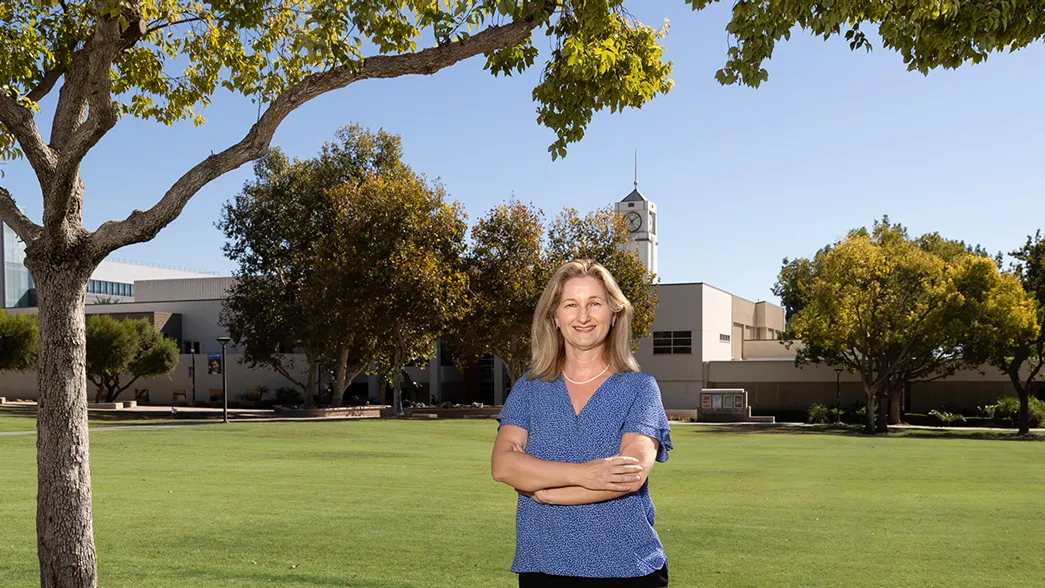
[288, 577]
[858, 431]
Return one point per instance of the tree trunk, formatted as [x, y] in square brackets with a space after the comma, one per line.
[310, 387]
[397, 385]
[882, 424]
[114, 391]
[1024, 411]
[338, 395]
[895, 404]
[1024, 395]
[869, 417]
[64, 529]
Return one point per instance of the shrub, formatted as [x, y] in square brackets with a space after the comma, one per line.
[287, 396]
[947, 418]
[1037, 412]
[986, 412]
[1007, 407]
[818, 414]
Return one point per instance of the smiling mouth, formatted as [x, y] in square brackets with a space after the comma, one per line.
[584, 329]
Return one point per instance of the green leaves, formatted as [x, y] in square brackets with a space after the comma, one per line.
[261, 48]
[898, 309]
[18, 342]
[604, 61]
[117, 348]
[927, 33]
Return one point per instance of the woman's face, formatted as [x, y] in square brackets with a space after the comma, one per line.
[583, 314]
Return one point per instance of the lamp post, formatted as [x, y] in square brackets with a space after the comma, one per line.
[838, 396]
[193, 350]
[224, 380]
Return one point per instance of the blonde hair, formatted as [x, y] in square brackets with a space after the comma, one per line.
[546, 342]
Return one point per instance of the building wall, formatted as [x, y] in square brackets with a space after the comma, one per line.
[199, 318]
[717, 312]
[779, 385]
[128, 273]
[209, 288]
[679, 376]
[768, 349]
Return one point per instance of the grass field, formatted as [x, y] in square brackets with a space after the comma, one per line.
[410, 504]
[25, 420]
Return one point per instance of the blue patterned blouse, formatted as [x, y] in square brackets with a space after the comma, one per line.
[611, 539]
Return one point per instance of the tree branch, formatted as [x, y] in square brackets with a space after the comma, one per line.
[278, 366]
[121, 389]
[72, 106]
[46, 84]
[10, 214]
[19, 121]
[63, 204]
[143, 226]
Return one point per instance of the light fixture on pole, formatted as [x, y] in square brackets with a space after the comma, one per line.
[224, 380]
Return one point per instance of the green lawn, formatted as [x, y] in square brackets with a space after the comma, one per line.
[399, 504]
[25, 420]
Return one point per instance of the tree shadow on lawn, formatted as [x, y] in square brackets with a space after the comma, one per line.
[857, 431]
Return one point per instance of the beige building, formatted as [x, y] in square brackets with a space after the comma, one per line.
[695, 325]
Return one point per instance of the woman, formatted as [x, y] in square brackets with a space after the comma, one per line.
[577, 438]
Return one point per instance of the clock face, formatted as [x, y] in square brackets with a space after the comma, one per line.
[633, 221]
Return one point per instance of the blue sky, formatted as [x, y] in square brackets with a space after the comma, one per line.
[743, 178]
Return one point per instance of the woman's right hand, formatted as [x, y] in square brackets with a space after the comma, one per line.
[615, 473]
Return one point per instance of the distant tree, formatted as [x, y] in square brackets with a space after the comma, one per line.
[507, 268]
[418, 282]
[18, 342]
[302, 285]
[267, 310]
[512, 257]
[118, 349]
[881, 304]
[603, 236]
[1014, 341]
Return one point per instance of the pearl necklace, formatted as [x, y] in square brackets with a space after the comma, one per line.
[585, 381]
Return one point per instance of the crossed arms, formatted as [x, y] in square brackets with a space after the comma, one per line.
[554, 482]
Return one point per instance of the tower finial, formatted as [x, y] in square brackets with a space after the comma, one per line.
[636, 168]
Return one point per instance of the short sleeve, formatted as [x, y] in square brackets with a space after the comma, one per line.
[516, 409]
[647, 417]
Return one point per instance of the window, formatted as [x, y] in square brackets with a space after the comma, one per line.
[723, 338]
[653, 222]
[109, 288]
[672, 342]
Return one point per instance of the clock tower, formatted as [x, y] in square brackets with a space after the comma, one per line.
[640, 217]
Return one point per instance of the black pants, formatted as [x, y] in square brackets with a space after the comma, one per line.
[657, 579]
